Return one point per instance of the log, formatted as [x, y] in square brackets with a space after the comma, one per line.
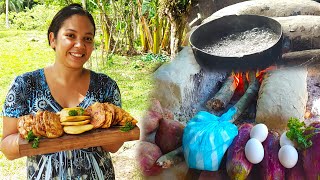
[301, 58]
[248, 96]
[270, 8]
[300, 32]
[171, 158]
[224, 95]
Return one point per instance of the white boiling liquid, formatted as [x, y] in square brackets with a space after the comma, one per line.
[243, 43]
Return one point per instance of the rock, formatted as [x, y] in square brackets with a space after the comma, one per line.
[183, 87]
[270, 8]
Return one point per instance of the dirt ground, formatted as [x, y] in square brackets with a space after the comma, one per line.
[124, 163]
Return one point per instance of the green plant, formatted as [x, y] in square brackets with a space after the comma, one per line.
[155, 57]
[297, 133]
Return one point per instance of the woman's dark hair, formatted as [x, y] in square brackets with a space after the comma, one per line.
[64, 14]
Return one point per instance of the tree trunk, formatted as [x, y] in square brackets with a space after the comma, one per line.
[177, 28]
[84, 4]
[174, 40]
[7, 14]
[165, 38]
[156, 35]
[109, 42]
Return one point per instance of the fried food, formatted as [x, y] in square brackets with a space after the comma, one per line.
[43, 124]
[106, 114]
[98, 115]
[25, 124]
[77, 129]
[52, 125]
[77, 123]
[74, 118]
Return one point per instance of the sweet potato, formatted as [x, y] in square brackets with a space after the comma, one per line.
[270, 167]
[146, 156]
[311, 156]
[238, 167]
[150, 121]
[169, 135]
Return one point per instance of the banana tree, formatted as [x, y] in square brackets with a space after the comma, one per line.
[152, 25]
[177, 12]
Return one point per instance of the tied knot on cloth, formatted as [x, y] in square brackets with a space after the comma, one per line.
[206, 138]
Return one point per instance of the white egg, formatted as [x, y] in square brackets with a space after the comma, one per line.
[254, 151]
[284, 140]
[260, 132]
[288, 156]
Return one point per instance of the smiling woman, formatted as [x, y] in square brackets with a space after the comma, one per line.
[65, 83]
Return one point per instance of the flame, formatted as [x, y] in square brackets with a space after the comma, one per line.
[242, 78]
[261, 73]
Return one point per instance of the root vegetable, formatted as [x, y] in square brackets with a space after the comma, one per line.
[150, 121]
[146, 156]
[311, 155]
[297, 172]
[238, 167]
[270, 167]
[169, 135]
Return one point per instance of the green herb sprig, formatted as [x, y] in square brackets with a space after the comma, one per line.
[296, 133]
[33, 138]
[75, 112]
[127, 127]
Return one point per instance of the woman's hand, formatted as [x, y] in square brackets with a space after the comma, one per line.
[10, 138]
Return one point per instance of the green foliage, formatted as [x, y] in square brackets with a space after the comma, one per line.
[37, 18]
[150, 7]
[155, 57]
[127, 127]
[297, 133]
[33, 138]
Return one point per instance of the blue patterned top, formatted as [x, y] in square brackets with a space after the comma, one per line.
[30, 93]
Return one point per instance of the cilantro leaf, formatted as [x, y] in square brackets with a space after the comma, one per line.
[73, 113]
[35, 143]
[33, 138]
[297, 133]
[30, 136]
[127, 127]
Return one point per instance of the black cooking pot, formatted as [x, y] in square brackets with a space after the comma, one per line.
[208, 33]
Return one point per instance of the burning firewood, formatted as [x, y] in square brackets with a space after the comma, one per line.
[224, 95]
[248, 96]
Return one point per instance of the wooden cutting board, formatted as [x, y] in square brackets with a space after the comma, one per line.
[112, 138]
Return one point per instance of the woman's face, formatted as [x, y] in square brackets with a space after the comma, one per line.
[74, 42]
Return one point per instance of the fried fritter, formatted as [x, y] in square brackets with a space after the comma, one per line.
[43, 124]
[52, 125]
[98, 115]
